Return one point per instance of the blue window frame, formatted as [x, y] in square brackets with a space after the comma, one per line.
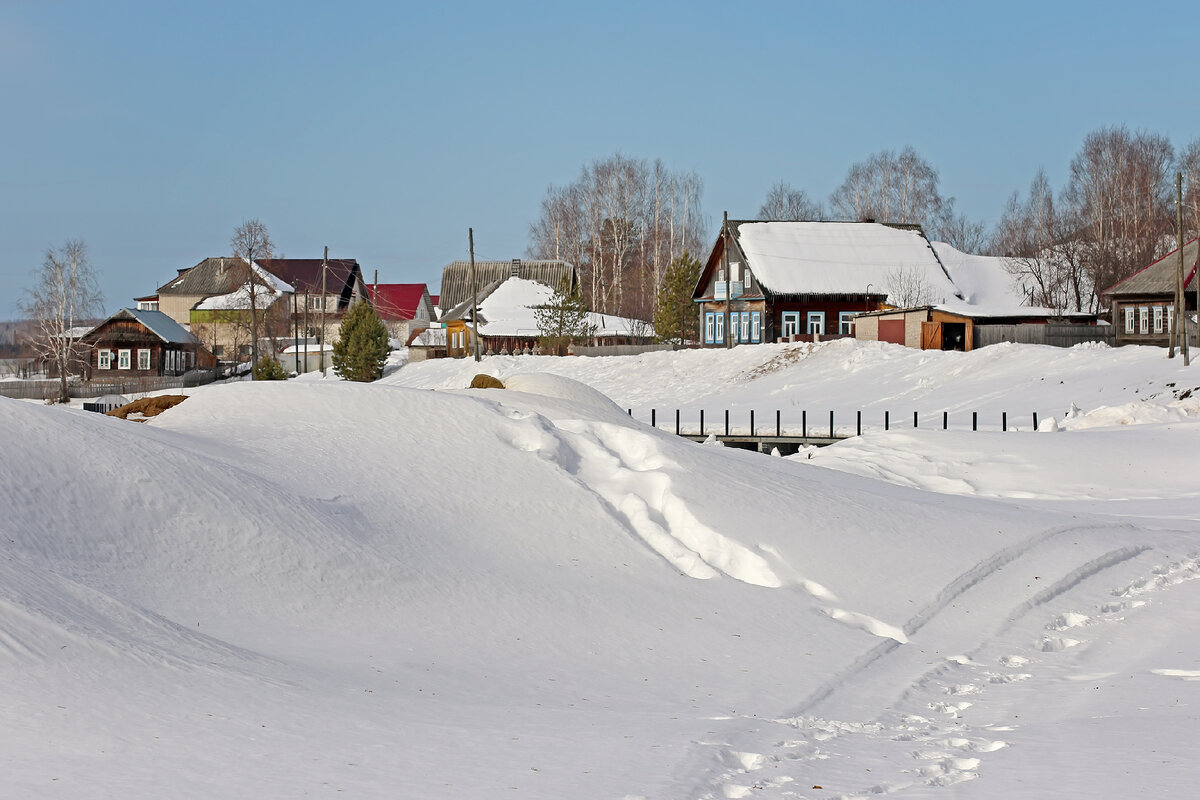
[816, 322]
[756, 326]
[720, 334]
[791, 324]
[709, 327]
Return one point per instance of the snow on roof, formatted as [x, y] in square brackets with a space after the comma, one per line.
[983, 280]
[509, 311]
[838, 257]
[265, 293]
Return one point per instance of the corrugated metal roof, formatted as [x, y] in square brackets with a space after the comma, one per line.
[211, 276]
[156, 322]
[456, 277]
[1160, 277]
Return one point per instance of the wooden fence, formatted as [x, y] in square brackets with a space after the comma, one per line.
[1055, 335]
[45, 389]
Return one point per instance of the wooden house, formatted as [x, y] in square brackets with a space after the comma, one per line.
[133, 343]
[212, 300]
[456, 277]
[768, 281]
[1143, 305]
[405, 309]
[508, 325]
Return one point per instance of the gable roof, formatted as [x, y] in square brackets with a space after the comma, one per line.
[507, 308]
[397, 300]
[224, 274]
[305, 273]
[158, 323]
[838, 258]
[456, 276]
[1160, 277]
[220, 275]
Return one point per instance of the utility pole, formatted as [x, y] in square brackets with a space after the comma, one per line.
[324, 303]
[725, 269]
[1180, 316]
[295, 330]
[474, 297]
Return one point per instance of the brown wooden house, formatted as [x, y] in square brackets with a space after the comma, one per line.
[1143, 305]
[134, 343]
[768, 281]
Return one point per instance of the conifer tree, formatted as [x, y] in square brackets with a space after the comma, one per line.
[362, 345]
[563, 319]
[675, 316]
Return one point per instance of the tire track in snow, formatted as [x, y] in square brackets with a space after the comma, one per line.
[925, 727]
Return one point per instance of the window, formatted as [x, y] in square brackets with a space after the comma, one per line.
[709, 327]
[816, 322]
[1158, 319]
[219, 350]
[143, 359]
[846, 322]
[1170, 314]
[1129, 324]
[1143, 319]
[756, 326]
[720, 334]
[147, 305]
[104, 359]
[791, 324]
[746, 279]
[745, 335]
[123, 359]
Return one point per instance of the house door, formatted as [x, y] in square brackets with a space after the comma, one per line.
[954, 336]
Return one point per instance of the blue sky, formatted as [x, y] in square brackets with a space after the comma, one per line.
[385, 130]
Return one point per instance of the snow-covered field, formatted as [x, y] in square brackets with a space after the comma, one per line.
[414, 589]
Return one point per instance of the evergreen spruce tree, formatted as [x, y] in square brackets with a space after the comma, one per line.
[675, 316]
[563, 319]
[362, 345]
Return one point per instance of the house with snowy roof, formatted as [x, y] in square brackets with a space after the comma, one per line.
[134, 343]
[767, 281]
[506, 315]
[294, 297]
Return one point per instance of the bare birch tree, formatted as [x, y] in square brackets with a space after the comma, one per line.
[1120, 188]
[251, 242]
[65, 295]
[891, 187]
[785, 203]
[621, 223]
[1044, 250]
[1188, 165]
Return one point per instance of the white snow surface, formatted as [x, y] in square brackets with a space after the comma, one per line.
[269, 288]
[414, 589]
[839, 258]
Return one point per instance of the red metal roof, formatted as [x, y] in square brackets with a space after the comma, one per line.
[396, 300]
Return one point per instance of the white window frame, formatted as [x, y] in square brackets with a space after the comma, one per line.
[709, 326]
[846, 322]
[314, 302]
[1169, 313]
[1143, 319]
[756, 326]
[143, 355]
[789, 323]
[1157, 311]
[1130, 317]
[719, 334]
[124, 359]
[745, 334]
[104, 359]
[815, 323]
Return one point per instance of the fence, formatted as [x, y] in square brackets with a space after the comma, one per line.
[1055, 335]
[773, 431]
[45, 389]
[622, 349]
